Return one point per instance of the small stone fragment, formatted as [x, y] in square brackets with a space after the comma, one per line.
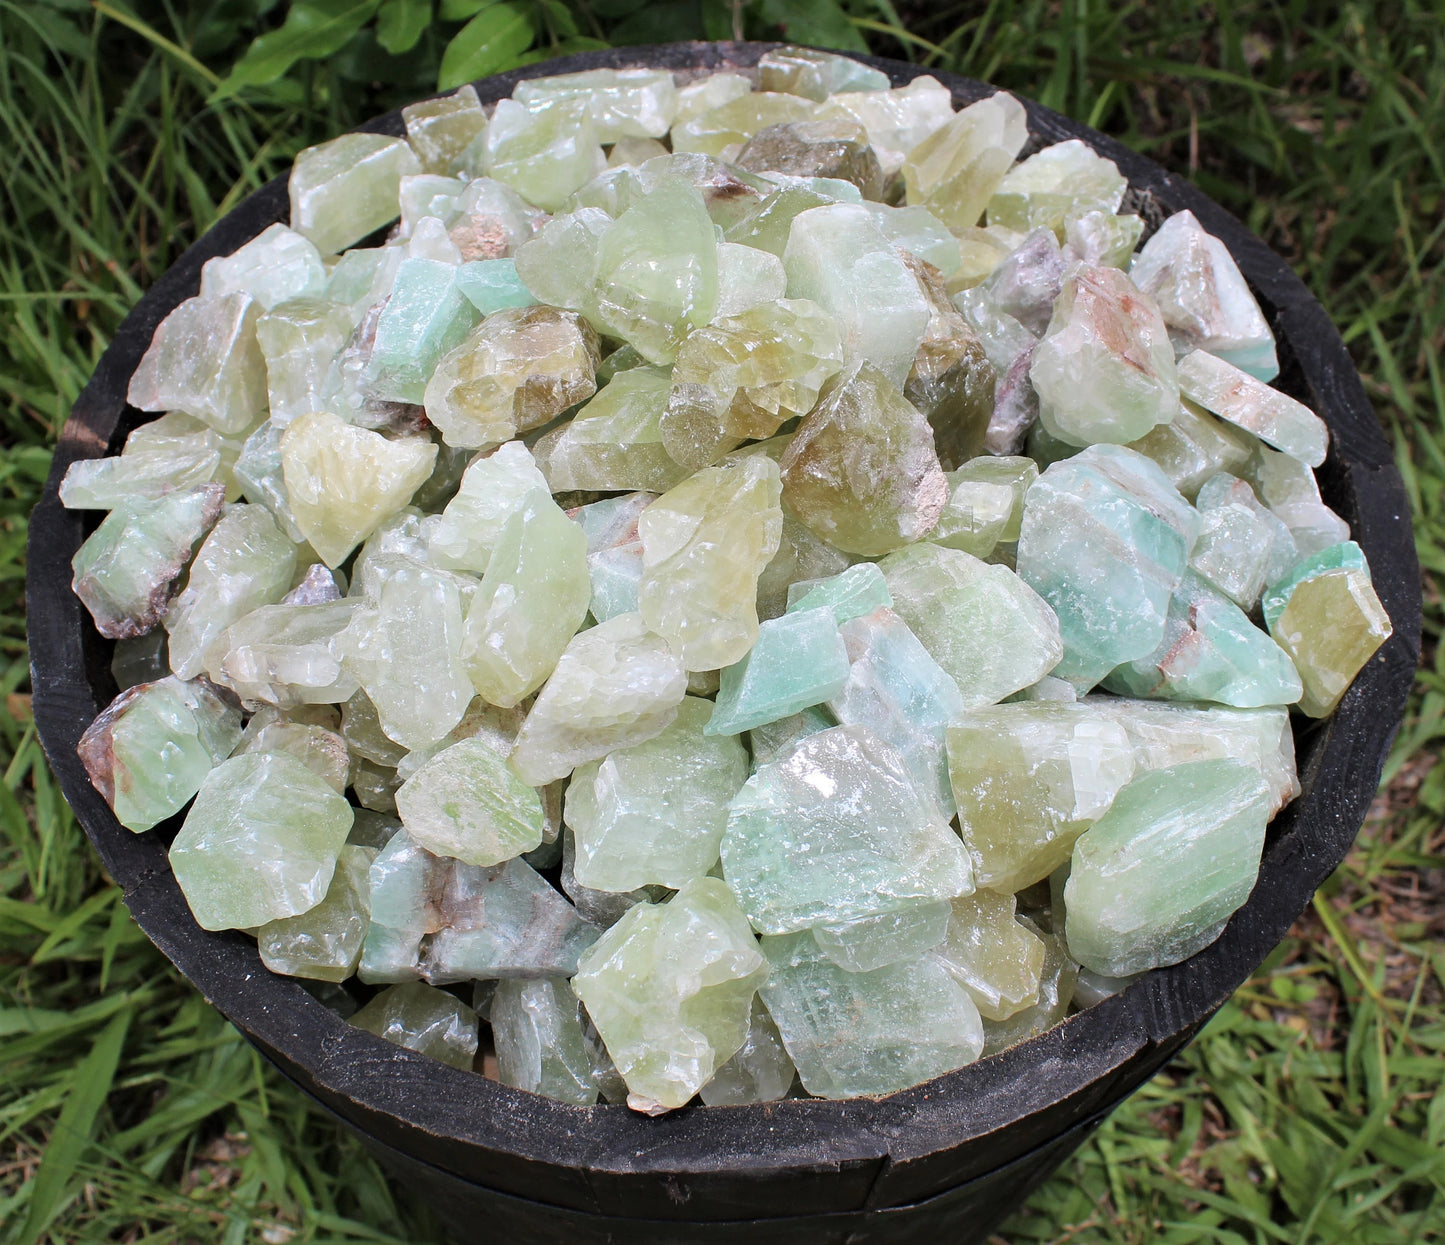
[105, 483]
[493, 488]
[1028, 281]
[1242, 545]
[277, 265]
[441, 130]
[801, 558]
[919, 232]
[1104, 239]
[1056, 991]
[299, 339]
[1194, 446]
[465, 803]
[317, 747]
[543, 153]
[747, 277]
[537, 1028]
[282, 655]
[259, 474]
[343, 190]
[956, 169]
[622, 103]
[816, 75]
[1239, 398]
[799, 660]
[768, 742]
[896, 120]
[835, 148]
[1067, 179]
[850, 594]
[985, 504]
[493, 285]
[890, 938]
[429, 1021]
[709, 92]
[404, 885]
[559, 264]
[992, 955]
[614, 552]
[426, 316]
[324, 944]
[760, 1070]
[1290, 490]
[737, 120]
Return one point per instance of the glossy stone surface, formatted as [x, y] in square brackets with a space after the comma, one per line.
[760, 1070]
[889, 938]
[1242, 545]
[985, 504]
[622, 103]
[344, 189]
[1194, 446]
[493, 488]
[799, 660]
[440, 131]
[135, 474]
[850, 594]
[816, 75]
[324, 944]
[769, 742]
[544, 153]
[737, 120]
[956, 169]
[833, 148]
[299, 339]
[284, 655]
[423, 1019]
[992, 955]
[1272, 416]
[537, 1028]
[1064, 180]
[426, 315]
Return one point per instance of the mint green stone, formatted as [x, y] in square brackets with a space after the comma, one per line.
[491, 284]
[318, 748]
[760, 1071]
[537, 1030]
[105, 483]
[614, 552]
[1343, 556]
[344, 189]
[543, 153]
[404, 884]
[890, 938]
[493, 488]
[802, 558]
[855, 1035]
[850, 594]
[768, 221]
[426, 315]
[985, 504]
[799, 660]
[1157, 877]
[431, 1022]
[283, 655]
[324, 944]
[259, 843]
[919, 232]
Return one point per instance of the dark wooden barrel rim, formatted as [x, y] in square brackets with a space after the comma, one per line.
[800, 1157]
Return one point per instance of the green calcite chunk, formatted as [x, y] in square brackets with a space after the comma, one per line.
[919, 232]
[429, 1021]
[1104, 239]
[768, 742]
[258, 472]
[440, 130]
[861, 470]
[426, 315]
[126, 570]
[838, 257]
[204, 360]
[767, 223]
[890, 938]
[985, 504]
[1057, 981]
[1242, 400]
[544, 153]
[760, 1071]
[283, 655]
[516, 371]
[537, 1029]
[105, 483]
[324, 944]
[747, 277]
[1210, 651]
[532, 600]
[343, 190]
[897, 120]
[1331, 623]
[465, 803]
[489, 221]
[299, 339]
[742, 377]
[732, 123]
[493, 285]
[835, 148]
[850, 594]
[404, 885]
[1345, 555]
[259, 843]
[1064, 180]
[320, 749]
[1242, 545]
[816, 75]
[1193, 447]
[614, 552]
[615, 441]
[1029, 778]
[799, 660]
[958, 166]
[493, 488]
[1104, 370]
[705, 543]
[559, 264]
[602, 908]
[149, 750]
[855, 1035]
[343, 481]
[993, 956]
[1105, 540]
[615, 685]
[277, 265]
[834, 830]
[246, 562]
[495, 727]
[709, 92]
[654, 813]
[1290, 490]
[1156, 878]
[896, 690]
[982, 623]
[670, 988]
[623, 103]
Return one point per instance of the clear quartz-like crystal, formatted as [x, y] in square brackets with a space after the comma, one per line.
[324, 944]
[465, 803]
[958, 167]
[545, 152]
[537, 1028]
[423, 1019]
[344, 189]
[1248, 403]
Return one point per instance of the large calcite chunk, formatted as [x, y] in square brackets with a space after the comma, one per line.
[1064, 181]
[1105, 540]
[543, 152]
[1194, 446]
[704, 543]
[493, 488]
[1029, 778]
[517, 370]
[798, 661]
[317, 747]
[654, 813]
[992, 955]
[736, 120]
[1203, 296]
[838, 257]
[1236, 396]
[861, 470]
[834, 830]
[299, 339]
[1157, 877]
[424, 1019]
[260, 842]
[982, 623]
[957, 168]
[425, 316]
[149, 750]
[441, 130]
[833, 148]
[1104, 370]
[896, 119]
[204, 360]
[816, 75]
[277, 265]
[863, 1034]
[150, 466]
[889, 938]
[615, 685]
[670, 988]
[324, 943]
[466, 803]
[541, 1046]
[742, 377]
[343, 481]
[284, 655]
[623, 103]
[343, 190]
[1242, 544]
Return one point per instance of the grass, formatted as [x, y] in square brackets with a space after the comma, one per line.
[1311, 1110]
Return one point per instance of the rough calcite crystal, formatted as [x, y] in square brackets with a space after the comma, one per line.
[622, 103]
[982, 623]
[343, 190]
[760, 1071]
[1242, 545]
[615, 685]
[342, 481]
[1203, 296]
[517, 370]
[403, 884]
[426, 315]
[741, 377]
[259, 474]
[670, 988]
[440, 131]
[654, 813]
[816, 75]
[259, 843]
[324, 944]
[559, 264]
[544, 153]
[1052, 185]
[299, 339]
[853, 1035]
[204, 360]
[769, 742]
[541, 1047]
[704, 544]
[186, 727]
[1104, 370]
[421, 1018]
[838, 257]
[833, 148]
[126, 570]
[1102, 238]
[317, 747]
[861, 471]
[1057, 981]
[1028, 779]
[283, 655]
[801, 558]
[493, 285]
[614, 551]
[889, 938]
[277, 265]
[991, 954]
[733, 122]
[466, 803]
[799, 660]
[1290, 490]
[834, 830]
[747, 277]
[1194, 446]
[493, 488]
[1027, 282]
[1236, 396]
[956, 169]
[985, 504]
[105, 483]
[850, 594]
[1156, 878]
[1105, 540]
